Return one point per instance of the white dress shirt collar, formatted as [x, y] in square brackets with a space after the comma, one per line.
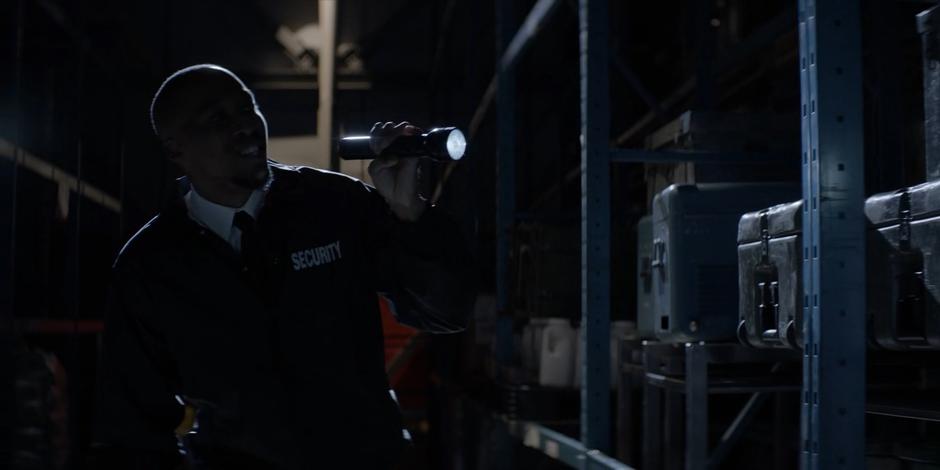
[218, 218]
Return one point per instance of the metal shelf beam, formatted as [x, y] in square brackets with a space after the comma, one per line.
[595, 225]
[561, 447]
[66, 181]
[682, 156]
[530, 28]
[833, 401]
[505, 175]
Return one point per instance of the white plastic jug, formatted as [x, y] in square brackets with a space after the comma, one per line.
[531, 347]
[556, 365]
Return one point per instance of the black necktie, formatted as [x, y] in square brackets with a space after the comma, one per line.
[249, 247]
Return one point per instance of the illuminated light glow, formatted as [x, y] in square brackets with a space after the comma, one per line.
[456, 144]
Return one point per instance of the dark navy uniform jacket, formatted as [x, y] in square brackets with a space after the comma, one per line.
[285, 361]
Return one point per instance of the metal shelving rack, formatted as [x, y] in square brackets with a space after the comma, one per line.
[590, 451]
[833, 401]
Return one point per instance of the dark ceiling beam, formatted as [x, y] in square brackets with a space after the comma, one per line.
[262, 14]
[441, 47]
[378, 37]
[756, 42]
[84, 43]
[636, 83]
[749, 47]
[534, 22]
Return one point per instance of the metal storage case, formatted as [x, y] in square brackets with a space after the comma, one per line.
[644, 278]
[770, 277]
[694, 263]
[928, 25]
[903, 270]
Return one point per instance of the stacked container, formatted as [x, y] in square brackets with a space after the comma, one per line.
[694, 260]
[644, 277]
[770, 277]
[903, 270]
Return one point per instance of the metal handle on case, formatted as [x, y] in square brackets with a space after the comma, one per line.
[659, 253]
[771, 336]
[789, 337]
[742, 334]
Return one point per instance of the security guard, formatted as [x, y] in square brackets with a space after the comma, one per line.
[244, 318]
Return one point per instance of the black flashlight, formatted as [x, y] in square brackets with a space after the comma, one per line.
[443, 143]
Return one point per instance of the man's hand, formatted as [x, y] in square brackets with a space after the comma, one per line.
[396, 178]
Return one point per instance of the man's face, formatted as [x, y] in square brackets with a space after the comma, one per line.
[219, 134]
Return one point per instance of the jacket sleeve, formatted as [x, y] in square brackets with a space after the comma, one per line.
[423, 268]
[136, 410]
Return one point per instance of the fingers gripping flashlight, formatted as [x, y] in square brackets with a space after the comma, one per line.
[444, 143]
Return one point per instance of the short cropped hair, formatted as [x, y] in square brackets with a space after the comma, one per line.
[174, 85]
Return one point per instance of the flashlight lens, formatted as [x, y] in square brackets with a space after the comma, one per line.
[456, 144]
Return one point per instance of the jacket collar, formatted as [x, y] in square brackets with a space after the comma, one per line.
[281, 185]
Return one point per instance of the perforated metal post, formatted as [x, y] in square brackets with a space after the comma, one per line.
[696, 407]
[505, 177]
[595, 226]
[652, 417]
[833, 401]
[15, 25]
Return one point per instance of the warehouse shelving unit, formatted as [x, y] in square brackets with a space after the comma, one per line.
[591, 450]
[675, 377]
[674, 369]
[833, 404]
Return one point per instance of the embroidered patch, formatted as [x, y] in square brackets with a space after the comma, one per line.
[318, 256]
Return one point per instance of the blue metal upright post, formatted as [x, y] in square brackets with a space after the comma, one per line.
[505, 172]
[595, 226]
[833, 401]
